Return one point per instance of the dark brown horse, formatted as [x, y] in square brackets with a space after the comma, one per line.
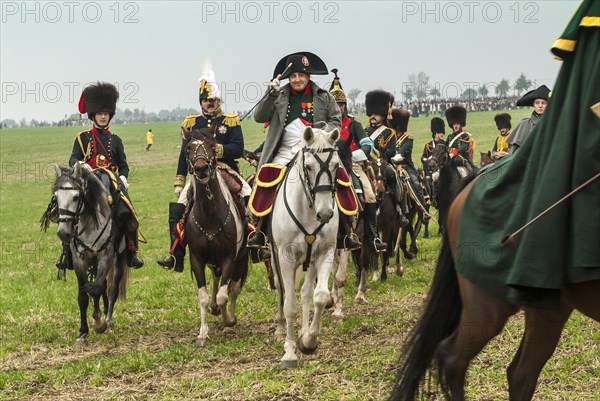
[215, 234]
[460, 318]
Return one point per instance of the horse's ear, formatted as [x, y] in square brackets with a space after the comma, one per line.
[489, 153]
[57, 170]
[308, 135]
[77, 169]
[334, 135]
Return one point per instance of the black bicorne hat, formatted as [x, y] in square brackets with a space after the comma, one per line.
[437, 125]
[101, 96]
[456, 114]
[305, 62]
[399, 120]
[502, 121]
[543, 92]
[379, 102]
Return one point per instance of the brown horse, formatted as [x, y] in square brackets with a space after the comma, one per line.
[460, 318]
[215, 233]
[485, 158]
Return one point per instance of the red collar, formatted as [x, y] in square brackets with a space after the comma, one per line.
[307, 90]
[97, 131]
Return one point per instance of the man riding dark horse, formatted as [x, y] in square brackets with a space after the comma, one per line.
[100, 150]
[403, 159]
[227, 131]
[460, 143]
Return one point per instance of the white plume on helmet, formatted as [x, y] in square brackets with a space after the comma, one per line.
[209, 81]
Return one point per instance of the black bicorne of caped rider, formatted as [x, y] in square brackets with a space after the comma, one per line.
[543, 92]
[306, 62]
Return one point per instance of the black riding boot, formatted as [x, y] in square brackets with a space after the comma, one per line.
[133, 260]
[346, 239]
[177, 254]
[371, 231]
[258, 238]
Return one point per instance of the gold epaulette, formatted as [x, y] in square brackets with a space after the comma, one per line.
[232, 120]
[190, 121]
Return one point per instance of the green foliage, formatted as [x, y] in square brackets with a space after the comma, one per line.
[150, 354]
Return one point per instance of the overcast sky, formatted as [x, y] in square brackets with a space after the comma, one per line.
[155, 51]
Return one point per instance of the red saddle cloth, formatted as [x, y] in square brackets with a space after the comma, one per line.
[270, 177]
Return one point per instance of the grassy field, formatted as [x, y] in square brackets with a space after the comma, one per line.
[150, 354]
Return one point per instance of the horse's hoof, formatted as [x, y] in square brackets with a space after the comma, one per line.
[409, 255]
[230, 323]
[100, 328]
[200, 342]
[214, 310]
[307, 350]
[400, 271]
[337, 317]
[361, 300]
[383, 276]
[81, 341]
[293, 364]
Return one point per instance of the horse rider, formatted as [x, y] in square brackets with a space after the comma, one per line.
[460, 143]
[503, 124]
[378, 105]
[538, 99]
[289, 110]
[403, 157]
[438, 132]
[230, 146]
[99, 148]
[361, 146]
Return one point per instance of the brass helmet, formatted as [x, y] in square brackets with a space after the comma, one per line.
[336, 88]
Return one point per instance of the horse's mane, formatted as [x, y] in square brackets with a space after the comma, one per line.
[202, 134]
[94, 193]
[345, 153]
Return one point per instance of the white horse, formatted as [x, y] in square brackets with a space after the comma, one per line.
[304, 227]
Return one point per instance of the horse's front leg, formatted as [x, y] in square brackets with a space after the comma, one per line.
[339, 282]
[309, 340]
[113, 292]
[290, 311]
[198, 268]
[306, 296]
[83, 299]
[227, 267]
[97, 290]
[216, 280]
[361, 284]
[235, 287]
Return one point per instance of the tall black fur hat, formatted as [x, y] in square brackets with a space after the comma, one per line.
[379, 102]
[437, 125]
[399, 120]
[543, 92]
[305, 62]
[502, 121]
[101, 96]
[456, 114]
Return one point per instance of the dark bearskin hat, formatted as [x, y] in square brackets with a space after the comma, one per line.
[379, 102]
[437, 125]
[543, 92]
[336, 88]
[399, 120]
[305, 62]
[502, 121]
[101, 96]
[456, 114]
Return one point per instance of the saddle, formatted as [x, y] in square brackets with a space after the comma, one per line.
[269, 178]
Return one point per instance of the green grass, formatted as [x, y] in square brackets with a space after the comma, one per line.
[150, 354]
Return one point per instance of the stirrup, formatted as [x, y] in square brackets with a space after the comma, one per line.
[256, 239]
[379, 245]
[351, 242]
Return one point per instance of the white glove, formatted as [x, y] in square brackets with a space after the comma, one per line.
[358, 156]
[397, 159]
[178, 190]
[124, 181]
[275, 85]
[85, 166]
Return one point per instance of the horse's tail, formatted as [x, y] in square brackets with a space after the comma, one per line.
[438, 320]
[120, 264]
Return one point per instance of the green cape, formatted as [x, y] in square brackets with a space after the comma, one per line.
[562, 152]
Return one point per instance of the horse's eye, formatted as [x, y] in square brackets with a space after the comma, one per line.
[76, 198]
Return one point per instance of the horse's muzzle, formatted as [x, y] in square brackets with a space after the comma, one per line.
[64, 233]
[201, 171]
